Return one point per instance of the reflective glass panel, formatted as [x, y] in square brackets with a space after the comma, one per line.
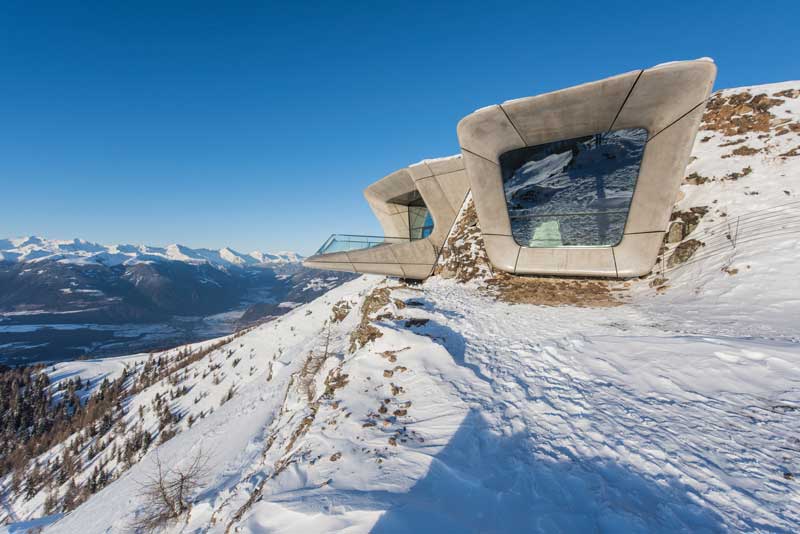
[347, 242]
[420, 223]
[575, 192]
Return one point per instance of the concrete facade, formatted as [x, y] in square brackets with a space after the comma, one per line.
[442, 184]
[667, 100]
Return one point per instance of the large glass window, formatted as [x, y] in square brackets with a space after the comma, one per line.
[575, 192]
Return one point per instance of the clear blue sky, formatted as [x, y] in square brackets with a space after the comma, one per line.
[257, 125]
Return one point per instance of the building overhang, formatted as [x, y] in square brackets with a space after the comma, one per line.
[441, 184]
[667, 101]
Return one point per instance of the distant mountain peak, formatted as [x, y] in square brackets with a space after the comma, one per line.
[81, 251]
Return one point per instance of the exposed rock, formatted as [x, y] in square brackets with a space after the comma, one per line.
[340, 310]
[365, 332]
[336, 379]
[659, 282]
[696, 179]
[739, 113]
[683, 252]
[463, 256]
[788, 93]
[690, 218]
[736, 175]
[676, 232]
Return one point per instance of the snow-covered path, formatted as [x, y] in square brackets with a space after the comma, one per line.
[663, 429]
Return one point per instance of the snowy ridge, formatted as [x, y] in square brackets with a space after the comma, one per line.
[381, 407]
[79, 251]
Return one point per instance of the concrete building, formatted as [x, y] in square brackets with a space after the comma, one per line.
[578, 182]
[416, 207]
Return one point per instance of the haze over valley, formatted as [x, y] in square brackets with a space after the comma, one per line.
[64, 299]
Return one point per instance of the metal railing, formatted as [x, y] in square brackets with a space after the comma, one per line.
[721, 239]
[518, 214]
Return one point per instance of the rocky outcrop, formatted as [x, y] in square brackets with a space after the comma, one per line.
[683, 252]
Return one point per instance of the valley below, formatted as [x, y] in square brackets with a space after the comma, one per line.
[25, 344]
[59, 306]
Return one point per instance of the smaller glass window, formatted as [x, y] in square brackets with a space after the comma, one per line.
[420, 223]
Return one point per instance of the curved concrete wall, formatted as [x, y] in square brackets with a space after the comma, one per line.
[442, 184]
[667, 100]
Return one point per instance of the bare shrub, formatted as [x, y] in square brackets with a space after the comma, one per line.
[168, 491]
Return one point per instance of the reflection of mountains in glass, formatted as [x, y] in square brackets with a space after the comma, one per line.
[575, 192]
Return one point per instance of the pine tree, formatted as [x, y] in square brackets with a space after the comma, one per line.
[32, 482]
[71, 495]
[51, 502]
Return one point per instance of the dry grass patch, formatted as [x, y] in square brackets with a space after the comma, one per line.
[742, 151]
[340, 311]
[788, 93]
[739, 113]
[544, 291]
[366, 332]
[696, 179]
[792, 153]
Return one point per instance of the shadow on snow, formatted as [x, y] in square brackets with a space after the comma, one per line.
[486, 482]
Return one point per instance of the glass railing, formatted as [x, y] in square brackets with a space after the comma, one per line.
[345, 242]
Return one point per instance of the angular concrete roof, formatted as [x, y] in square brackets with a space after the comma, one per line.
[667, 100]
[442, 184]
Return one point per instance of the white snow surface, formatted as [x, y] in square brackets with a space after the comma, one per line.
[678, 411]
[79, 251]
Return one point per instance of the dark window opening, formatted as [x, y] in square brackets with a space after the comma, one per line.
[420, 222]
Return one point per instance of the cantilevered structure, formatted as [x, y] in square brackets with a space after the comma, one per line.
[578, 182]
[416, 207]
[582, 181]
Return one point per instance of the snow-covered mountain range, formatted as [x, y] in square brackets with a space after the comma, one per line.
[63, 299]
[476, 402]
[79, 251]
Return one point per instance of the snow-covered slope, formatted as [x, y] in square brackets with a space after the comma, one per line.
[474, 404]
[33, 249]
